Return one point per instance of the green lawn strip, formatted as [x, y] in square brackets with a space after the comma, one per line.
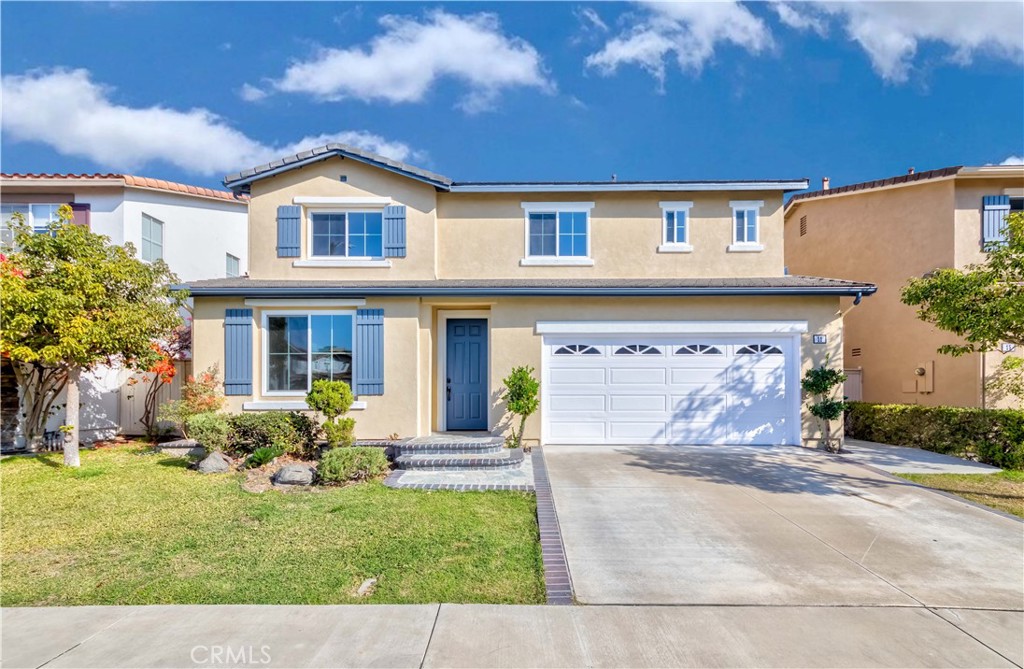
[133, 527]
[1003, 490]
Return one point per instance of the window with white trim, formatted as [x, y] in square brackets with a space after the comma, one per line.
[637, 349]
[577, 349]
[152, 239]
[675, 226]
[36, 216]
[304, 347]
[557, 232]
[758, 349]
[232, 265]
[746, 232]
[346, 234]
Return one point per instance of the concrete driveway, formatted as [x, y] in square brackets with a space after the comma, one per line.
[730, 525]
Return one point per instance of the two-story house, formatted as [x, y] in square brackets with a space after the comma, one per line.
[653, 312]
[199, 232]
[887, 232]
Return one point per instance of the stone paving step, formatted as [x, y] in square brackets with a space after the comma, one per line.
[507, 459]
[449, 445]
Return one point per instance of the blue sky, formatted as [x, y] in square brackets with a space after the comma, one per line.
[502, 91]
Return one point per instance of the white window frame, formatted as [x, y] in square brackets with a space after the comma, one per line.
[228, 257]
[143, 239]
[675, 246]
[265, 352]
[745, 246]
[37, 227]
[345, 259]
[556, 260]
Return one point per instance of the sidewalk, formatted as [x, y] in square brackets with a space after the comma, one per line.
[452, 635]
[907, 460]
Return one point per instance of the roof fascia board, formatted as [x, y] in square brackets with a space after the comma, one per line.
[554, 291]
[629, 187]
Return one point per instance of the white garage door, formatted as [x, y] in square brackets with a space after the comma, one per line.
[704, 389]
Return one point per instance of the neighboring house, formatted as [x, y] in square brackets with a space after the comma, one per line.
[887, 232]
[653, 312]
[199, 232]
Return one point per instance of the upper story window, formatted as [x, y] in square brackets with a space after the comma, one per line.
[152, 239]
[37, 216]
[232, 265]
[675, 228]
[557, 233]
[351, 234]
[746, 234]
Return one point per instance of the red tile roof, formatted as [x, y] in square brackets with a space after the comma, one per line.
[132, 181]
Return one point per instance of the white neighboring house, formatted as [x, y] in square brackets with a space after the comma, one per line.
[201, 233]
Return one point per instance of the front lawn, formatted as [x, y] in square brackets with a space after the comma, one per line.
[1003, 490]
[134, 527]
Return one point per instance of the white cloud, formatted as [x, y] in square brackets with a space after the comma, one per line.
[1013, 160]
[892, 32]
[591, 19]
[800, 19]
[691, 31]
[410, 56]
[66, 110]
[251, 93]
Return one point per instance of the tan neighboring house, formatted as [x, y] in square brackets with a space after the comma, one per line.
[886, 232]
[653, 312]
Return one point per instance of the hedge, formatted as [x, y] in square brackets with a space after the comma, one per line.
[992, 436]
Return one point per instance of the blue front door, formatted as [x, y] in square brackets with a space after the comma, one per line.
[466, 374]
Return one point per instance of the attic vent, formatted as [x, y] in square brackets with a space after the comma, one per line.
[803, 226]
[855, 352]
[343, 178]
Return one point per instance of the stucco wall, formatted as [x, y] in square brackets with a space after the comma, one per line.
[484, 236]
[410, 403]
[323, 180]
[886, 237]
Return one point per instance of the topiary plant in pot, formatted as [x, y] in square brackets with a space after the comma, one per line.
[821, 384]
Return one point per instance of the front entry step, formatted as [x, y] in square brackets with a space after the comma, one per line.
[501, 459]
[449, 445]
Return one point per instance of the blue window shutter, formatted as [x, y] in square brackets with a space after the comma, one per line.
[394, 231]
[238, 352]
[289, 231]
[369, 352]
[993, 224]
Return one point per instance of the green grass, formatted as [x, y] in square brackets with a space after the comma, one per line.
[1003, 491]
[134, 527]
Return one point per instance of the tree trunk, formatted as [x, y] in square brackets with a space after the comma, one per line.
[72, 418]
[522, 428]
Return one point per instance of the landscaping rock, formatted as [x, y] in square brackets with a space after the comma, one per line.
[294, 475]
[215, 463]
[366, 589]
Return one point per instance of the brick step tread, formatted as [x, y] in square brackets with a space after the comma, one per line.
[450, 448]
[511, 458]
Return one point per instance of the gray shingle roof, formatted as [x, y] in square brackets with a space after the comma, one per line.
[239, 181]
[781, 285]
[244, 177]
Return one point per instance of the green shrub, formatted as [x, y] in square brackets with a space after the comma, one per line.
[211, 430]
[340, 433]
[522, 398]
[264, 429]
[262, 456]
[340, 465]
[306, 431]
[333, 399]
[992, 436]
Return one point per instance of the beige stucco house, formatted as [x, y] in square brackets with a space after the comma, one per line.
[886, 232]
[653, 312]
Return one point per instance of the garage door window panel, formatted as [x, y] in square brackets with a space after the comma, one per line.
[637, 349]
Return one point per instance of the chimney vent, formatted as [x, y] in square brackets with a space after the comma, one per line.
[824, 183]
[910, 171]
[615, 177]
